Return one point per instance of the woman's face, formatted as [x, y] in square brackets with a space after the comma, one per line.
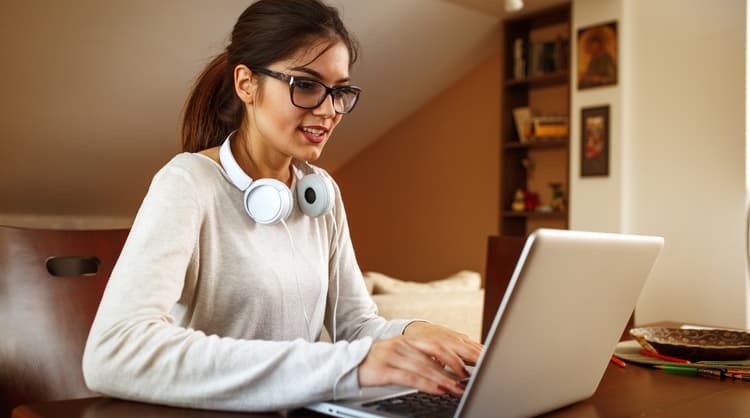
[286, 129]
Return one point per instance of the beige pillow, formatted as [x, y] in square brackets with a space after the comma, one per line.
[463, 280]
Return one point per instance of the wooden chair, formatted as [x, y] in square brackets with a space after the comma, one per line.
[51, 282]
[503, 253]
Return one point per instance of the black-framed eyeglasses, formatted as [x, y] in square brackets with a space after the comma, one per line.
[307, 93]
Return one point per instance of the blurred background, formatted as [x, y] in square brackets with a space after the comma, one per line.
[92, 93]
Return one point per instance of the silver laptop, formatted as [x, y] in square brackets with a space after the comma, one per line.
[567, 304]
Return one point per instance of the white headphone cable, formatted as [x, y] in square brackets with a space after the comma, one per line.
[335, 254]
[296, 276]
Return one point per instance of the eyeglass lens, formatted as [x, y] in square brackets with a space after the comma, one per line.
[310, 94]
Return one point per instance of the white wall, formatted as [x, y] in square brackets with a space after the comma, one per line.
[596, 202]
[678, 151]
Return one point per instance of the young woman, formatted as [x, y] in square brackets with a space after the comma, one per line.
[240, 252]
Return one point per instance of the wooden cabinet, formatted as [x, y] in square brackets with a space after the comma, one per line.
[535, 153]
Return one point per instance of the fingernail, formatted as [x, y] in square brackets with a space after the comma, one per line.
[442, 389]
[460, 386]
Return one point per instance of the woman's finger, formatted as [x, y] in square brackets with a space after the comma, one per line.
[416, 363]
[404, 377]
[423, 361]
[444, 354]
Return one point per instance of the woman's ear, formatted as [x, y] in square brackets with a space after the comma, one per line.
[245, 83]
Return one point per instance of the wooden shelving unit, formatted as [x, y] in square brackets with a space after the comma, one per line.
[533, 164]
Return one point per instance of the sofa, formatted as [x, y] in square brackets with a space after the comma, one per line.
[456, 301]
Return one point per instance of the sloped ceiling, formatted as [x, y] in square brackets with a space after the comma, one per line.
[92, 90]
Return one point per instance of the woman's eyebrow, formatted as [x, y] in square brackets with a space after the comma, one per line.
[317, 74]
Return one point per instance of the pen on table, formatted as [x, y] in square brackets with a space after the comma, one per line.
[738, 374]
[693, 370]
[663, 357]
[617, 361]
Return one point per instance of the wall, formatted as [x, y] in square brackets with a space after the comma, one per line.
[678, 152]
[596, 202]
[422, 199]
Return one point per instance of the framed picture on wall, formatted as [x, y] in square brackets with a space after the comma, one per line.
[597, 56]
[595, 141]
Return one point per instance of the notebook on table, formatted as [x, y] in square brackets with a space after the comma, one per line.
[568, 301]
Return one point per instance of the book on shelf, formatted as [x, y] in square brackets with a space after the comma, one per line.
[550, 126]
[530, 128]
[519, 59]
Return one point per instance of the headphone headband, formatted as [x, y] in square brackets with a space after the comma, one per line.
[268, 201]
[232, 168]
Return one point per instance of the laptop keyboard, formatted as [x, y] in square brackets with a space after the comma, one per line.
[418, 405]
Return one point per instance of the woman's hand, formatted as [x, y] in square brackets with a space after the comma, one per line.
[464, 346]
[418, 358]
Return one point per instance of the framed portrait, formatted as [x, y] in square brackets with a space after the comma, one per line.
[595, 141]
[597, 56]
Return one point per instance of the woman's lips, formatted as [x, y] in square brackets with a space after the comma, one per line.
[315, 135]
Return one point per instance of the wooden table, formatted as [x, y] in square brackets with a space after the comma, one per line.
[632, 391]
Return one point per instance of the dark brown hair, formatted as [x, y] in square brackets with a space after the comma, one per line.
[266, 32]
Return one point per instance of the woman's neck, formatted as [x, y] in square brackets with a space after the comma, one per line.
[259, 161]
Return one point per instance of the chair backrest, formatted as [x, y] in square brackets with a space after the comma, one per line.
[51, 282]
[503, 253]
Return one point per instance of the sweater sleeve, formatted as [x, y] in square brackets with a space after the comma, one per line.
[135, 349]
[356, 313]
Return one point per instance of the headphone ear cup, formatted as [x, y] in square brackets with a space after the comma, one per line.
[315, 195]
[268, 201]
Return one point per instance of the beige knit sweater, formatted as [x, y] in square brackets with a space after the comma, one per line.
[207, 309]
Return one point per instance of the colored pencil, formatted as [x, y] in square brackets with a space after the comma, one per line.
[617, 361]
[663, 357]
[676, 369]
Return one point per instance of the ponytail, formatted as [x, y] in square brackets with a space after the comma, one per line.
[212, 110]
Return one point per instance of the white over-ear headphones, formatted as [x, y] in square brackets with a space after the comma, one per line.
[269, 201]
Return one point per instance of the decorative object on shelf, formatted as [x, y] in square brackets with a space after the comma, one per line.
[597, 56]
[532, 201]
[519, 201]
[544, 209]
[557, 203]
[522, 119]
[595, 141]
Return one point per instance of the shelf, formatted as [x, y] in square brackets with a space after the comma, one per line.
[561, 142]
[544, 80]
[545, 94]
[538, 215]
